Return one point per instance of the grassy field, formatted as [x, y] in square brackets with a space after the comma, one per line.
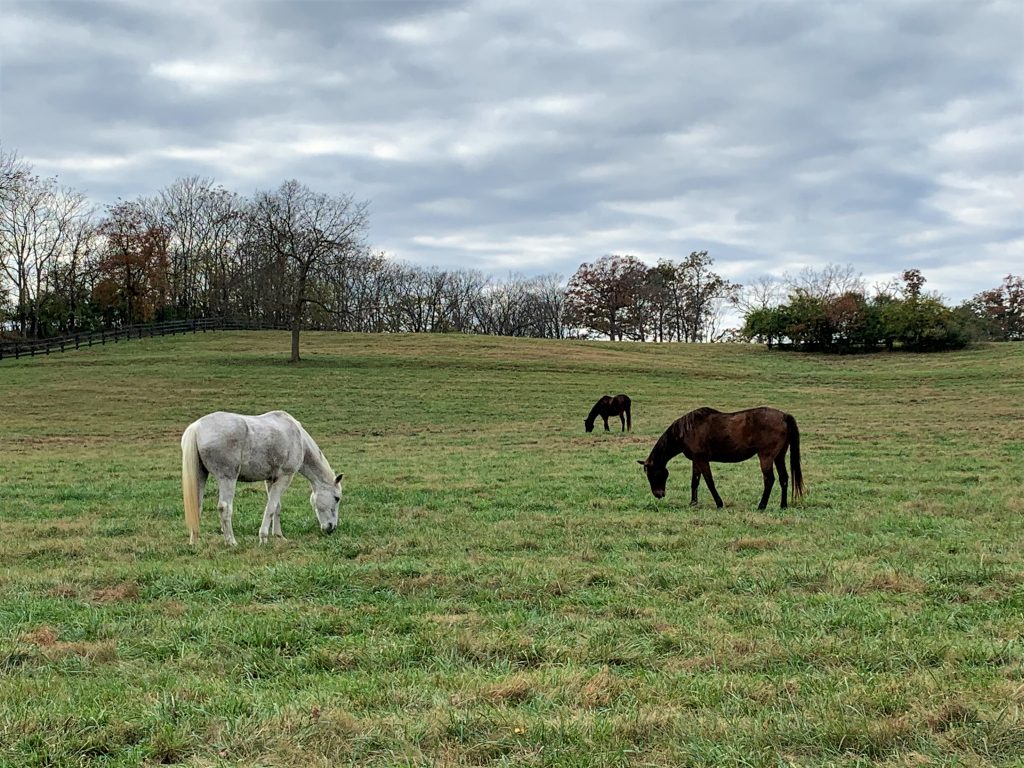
[503, 589]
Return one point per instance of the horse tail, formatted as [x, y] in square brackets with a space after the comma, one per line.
[190, 473]
[794, 456]
[629, 418]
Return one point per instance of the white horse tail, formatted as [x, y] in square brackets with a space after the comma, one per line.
[191, 491]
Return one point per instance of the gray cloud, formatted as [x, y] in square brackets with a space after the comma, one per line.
[530, 137]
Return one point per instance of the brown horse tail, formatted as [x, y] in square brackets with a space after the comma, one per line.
[794, 457]
[629, 418]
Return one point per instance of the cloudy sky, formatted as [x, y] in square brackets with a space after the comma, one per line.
[528, 137]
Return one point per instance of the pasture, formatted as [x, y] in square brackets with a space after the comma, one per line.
[502, 588]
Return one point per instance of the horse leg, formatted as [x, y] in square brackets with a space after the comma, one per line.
[272, 514]
[605, 423]
[780, 465]
[694, 483]
[284, 482]
[226, 490]
[769, 479]
[622, 418]
[705, 470]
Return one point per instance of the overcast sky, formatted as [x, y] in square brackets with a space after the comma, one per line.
[528, 137]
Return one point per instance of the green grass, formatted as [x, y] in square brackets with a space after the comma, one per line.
[503, 589]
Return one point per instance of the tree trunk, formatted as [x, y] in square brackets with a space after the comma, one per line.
[300, 301]
[296, 322]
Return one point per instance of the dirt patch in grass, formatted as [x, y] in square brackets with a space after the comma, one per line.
[449, 619]
[63, 590]
[508, 692]
[45, 638]
[125, 591]
[751, 545]
[893, 582]
[600, 690]
[174, 608]
[950, 715]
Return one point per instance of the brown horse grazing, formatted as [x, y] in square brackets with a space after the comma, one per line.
[610, 406]
[707, 435]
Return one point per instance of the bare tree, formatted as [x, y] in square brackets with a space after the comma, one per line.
[549, 306]
[765, 292]
[306, 232]
[828, 282]
[704, 295]
[203, 223]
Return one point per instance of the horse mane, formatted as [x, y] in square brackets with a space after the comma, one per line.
[594, 412]
[688, 421]
[314, 453]
[662, 448]
[670, 443]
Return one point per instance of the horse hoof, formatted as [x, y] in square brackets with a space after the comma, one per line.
[693, 503]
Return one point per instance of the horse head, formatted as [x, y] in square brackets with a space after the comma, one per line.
[325, 501]
[657, 476]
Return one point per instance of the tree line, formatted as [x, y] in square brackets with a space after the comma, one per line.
[284, 257]
[298, 258]
[295, 257]
[830, 310]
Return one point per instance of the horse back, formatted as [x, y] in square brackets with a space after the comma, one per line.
[250, 448]
[734, 437]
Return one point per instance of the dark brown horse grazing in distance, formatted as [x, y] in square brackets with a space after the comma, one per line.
[610, 406]
[707, 435]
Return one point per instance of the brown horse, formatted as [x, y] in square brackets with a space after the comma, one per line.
[707, 435]
[610, 406]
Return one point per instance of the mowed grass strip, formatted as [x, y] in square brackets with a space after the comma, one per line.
[503, 589]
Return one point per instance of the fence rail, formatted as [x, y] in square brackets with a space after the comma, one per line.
[33, 347]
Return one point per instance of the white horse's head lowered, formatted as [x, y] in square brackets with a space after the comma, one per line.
[325, 501]
[272, 447]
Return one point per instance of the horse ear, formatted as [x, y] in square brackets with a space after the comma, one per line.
[639, 461]
[338, 478]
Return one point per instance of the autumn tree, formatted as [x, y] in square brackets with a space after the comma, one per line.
[599, 294]
[1000, 310]
[134, 266]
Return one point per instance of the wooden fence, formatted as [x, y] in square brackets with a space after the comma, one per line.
[33, 347]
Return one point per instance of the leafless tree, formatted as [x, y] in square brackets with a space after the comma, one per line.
[765, 292]
[828, 282]
[306, 233]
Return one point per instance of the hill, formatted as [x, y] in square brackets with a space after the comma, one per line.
[503, 588]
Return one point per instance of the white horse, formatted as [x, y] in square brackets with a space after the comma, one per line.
[272, 448]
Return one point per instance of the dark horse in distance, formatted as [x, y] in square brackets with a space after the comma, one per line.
[707, 435]
[610, 406]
